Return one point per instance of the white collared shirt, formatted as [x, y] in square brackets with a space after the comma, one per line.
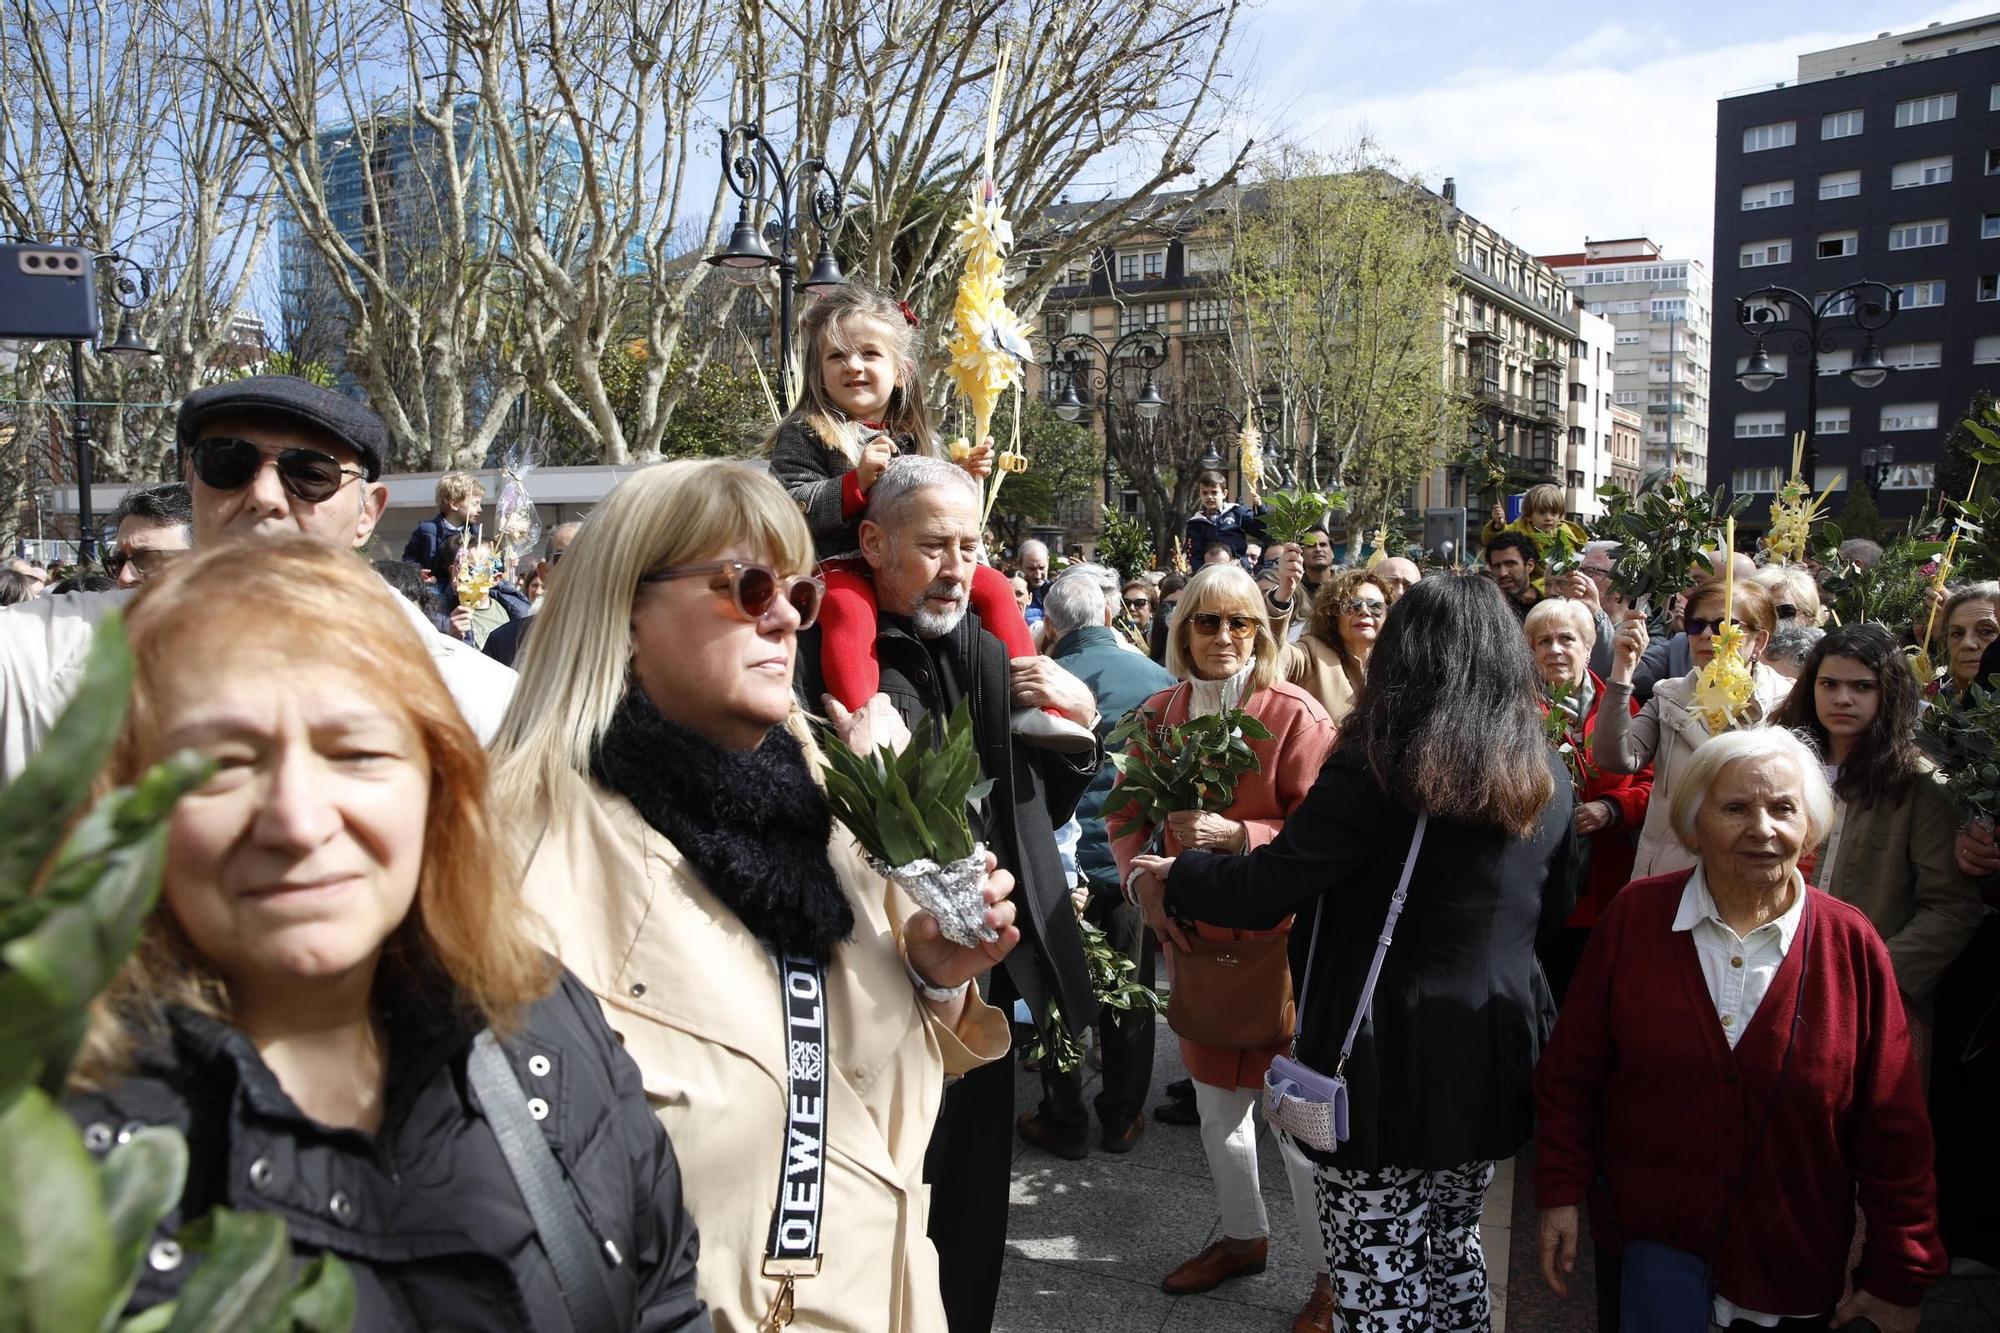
[1739, 970]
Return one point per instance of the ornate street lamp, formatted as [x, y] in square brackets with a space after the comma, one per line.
[1876, 462]
[1867, 306]
[757, 176]
[1085, 363]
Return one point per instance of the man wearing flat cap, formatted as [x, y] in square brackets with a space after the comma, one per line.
[265, 456]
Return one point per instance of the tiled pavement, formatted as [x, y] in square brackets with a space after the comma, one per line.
[1089, 1241]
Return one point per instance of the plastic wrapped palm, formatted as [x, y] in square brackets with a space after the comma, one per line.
[78, 879]
[1725, 686]
[1795, 510]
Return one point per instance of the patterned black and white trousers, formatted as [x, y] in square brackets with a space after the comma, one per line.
[1403, 1248]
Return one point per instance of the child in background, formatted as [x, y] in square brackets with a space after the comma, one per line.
[858, 409]
[1541, 516]
[1218, 522]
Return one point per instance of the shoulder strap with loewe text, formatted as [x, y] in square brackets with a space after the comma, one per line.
[792, 1252]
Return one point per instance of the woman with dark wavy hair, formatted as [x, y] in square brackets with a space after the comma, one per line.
[1439, 1080]
[1890, 850]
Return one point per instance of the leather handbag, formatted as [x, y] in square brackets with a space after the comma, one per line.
[1299, 1100]
[1233, 994]
[1667, 1290]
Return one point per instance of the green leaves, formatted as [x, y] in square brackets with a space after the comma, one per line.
[912, 806]
[1662, 532]
[1289, 515]
[1194, 766]
[1961, 734]
[56, 1252]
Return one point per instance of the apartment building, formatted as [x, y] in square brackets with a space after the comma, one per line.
[1661, 309]
[1879, 163]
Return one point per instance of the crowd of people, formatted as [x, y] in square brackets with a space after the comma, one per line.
[513, 953]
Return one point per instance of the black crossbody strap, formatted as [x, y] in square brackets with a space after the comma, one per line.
[792, 1251]
[572, 1249]
[1381, 947]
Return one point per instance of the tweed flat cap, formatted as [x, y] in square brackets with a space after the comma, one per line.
[346, 419]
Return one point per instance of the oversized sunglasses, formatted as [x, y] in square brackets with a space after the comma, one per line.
[148, 562]
[229, 464]
[1359, 606]
[754, 588]
[1134, 603]
[1210, 622]
[1699, 625]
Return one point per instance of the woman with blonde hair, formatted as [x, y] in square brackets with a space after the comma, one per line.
[793, 1017]
[1222, 647]
[1794, 595]
[316, 996]
[1330, 660]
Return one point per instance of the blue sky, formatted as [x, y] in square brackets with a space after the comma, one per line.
[1559, 120]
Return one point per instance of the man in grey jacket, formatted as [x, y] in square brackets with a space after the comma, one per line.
[266, 456]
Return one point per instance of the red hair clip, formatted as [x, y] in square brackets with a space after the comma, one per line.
[909, 315]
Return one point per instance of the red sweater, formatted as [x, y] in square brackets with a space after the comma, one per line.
[1645, 1111]
[1612, 850]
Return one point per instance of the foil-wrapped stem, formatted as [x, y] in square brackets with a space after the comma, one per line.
[955, 894]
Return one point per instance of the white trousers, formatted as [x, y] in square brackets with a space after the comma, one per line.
[1229, 1137]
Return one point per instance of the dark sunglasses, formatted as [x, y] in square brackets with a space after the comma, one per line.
[1209, 622]
[147, 563]
[1700, 625]
[1786, 611]
[1134, 603]
[754, 588]
[1357, 606]
[228, 464]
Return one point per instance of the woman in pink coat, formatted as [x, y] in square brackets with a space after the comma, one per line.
[1222, 646]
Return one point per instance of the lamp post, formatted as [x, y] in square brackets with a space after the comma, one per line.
[757, 176]
[1078, 356]
[130, 292]
[1876, 460]
[1812, 335]
[1216, 421]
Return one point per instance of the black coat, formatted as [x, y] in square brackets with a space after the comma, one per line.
[1441, 1074]
[425, 1213]
[1034, 792]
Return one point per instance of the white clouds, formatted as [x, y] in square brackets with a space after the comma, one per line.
[1614, 135]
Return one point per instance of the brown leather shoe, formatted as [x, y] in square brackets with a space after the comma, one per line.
[1039, 1133]
[1216, 1265]
[1317, 1317]
[1123, 1140]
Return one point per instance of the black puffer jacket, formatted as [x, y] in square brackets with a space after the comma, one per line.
[425, 1214]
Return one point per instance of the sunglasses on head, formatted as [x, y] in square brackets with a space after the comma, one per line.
[754, 588]
[1700, 625]
[1365, 606]
[1210, 622]
[229, 464]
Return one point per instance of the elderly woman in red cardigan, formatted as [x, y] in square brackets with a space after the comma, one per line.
[1667, 1096]
[1223, 643]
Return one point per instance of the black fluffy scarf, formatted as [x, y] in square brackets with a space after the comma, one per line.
[754, 826]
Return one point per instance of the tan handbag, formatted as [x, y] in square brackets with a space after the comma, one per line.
[1233, 994]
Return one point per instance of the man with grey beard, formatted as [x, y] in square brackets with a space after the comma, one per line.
[921, 538]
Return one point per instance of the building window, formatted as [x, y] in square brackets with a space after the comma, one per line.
[1993, 98]
[1910, 416]
[1989, 227]
[1837, 361]
[1207, 316]
[1754, 480]
[1156, 263]
[1758, 254]
[1924, 110]
[1828, 303]
[1914, 356]
[1917, 295]
[1830, 477]
[1916, 235]
[1758, 138]
[1986, 350]
[1993, 161]
[1128, 268]
[1771, 194]
[1838, 244]
[1910, 477]
[1840, 125]
[1920, 171]
[1077, 274]
[1840, 185]
[1831, 421]
[1750, 425]
[1989, 287]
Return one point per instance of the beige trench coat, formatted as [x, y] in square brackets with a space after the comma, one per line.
[695, 999]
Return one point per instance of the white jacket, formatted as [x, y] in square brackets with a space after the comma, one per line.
[43, 644]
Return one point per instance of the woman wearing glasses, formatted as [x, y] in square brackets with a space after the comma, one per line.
[1221, 646]
[1668, 729]
[1794, 595]
[793, 1017]
[1330, 660]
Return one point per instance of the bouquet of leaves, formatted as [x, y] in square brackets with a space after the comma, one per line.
[1661, 533]
[1961, 734]
[77, 881]
[1563, 556]
[1194, 766]
[1289, 515]
[908, 812]
[1112, 978]
[1556, 724]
